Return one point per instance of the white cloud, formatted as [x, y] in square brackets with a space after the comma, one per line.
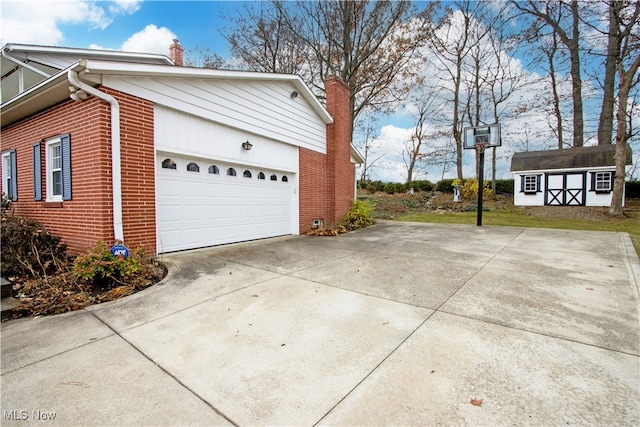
[125, 7]
[150, 40]
[38, 22]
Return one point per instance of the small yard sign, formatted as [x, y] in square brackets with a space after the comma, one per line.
[118, 250]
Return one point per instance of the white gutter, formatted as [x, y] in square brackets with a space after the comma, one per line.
[115, 148]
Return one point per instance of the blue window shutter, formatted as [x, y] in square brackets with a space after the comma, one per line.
[538, 187]
[522, 183]
[593, 181]
[65, 143]
[37, 172]
[14, 176]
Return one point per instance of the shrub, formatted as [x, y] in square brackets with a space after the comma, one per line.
[632, 189]
[469, 188]
[445, 186]
[504, 186]
[420, 185]
[390, 188]
[360, 215]
[375, 186]
[29, 250]
[99, 268]
[7, 206]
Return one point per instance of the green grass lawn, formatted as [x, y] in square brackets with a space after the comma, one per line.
[515, 218]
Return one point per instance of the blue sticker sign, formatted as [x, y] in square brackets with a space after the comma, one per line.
[118, 250]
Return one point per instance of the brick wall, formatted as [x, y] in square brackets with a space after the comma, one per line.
[137, 155]
[340, 170]
[88, 217]
[327, 181]
[313, 188]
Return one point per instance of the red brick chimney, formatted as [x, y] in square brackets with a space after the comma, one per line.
[175, 52]
[340, 170]
[327, 181]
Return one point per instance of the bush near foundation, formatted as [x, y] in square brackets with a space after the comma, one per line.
[29, 250]
[360, 215]
[101, 269]
[46, 281]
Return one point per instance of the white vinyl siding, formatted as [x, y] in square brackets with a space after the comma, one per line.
[263, 108]
[187, 134]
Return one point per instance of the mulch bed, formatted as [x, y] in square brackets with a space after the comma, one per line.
[62, 292]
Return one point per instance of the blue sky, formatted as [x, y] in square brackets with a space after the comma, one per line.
[134, 25]
[150, 26]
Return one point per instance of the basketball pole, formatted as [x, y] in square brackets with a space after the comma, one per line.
[480, 148]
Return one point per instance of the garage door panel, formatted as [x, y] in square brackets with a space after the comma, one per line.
[198, 209]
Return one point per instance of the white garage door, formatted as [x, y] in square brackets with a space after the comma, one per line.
[203, 203]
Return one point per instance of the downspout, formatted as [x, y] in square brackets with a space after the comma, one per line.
[115, 148]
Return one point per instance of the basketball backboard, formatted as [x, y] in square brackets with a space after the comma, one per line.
[485, 136]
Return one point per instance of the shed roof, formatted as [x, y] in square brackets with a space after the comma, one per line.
[569, 158]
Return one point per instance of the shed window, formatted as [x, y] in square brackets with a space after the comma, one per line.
[214, 169]
[168, 164]
[284, 178]
[231, 172]
[530, 184]
[274, 177]
[193, 167]
[246, 174]
[602, 182]
[261, 175]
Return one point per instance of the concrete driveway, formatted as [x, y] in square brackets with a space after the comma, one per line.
[397, 324]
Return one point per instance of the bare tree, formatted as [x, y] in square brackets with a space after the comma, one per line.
[204, 58]
[605, 124]
[557, 111]
[263, 38]
[457, 34]
[627, 65]
[367, 129]
[503, 78]
[413, 155]
[368, 44]
[564, 19]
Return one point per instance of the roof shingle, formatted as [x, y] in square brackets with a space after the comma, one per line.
[569, 158]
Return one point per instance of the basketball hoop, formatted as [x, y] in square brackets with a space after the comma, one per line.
[480, 138]
[481, 146]
[487, 136]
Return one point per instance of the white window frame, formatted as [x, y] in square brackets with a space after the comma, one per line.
[50, 169]
[603, 178]
[7, 174]
[530, 184]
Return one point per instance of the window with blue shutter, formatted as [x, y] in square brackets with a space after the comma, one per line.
[9, 175]
[58, 168]
[65, 143]
[37, 172]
